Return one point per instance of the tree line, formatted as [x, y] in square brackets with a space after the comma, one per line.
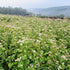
[14, 11]
[56, 16]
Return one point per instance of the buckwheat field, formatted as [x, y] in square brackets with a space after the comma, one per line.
[32, 43]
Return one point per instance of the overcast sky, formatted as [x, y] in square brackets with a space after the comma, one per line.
[34, 3]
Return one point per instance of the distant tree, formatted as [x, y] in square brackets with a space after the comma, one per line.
[13, 11]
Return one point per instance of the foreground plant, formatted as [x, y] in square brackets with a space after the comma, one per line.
[31, 43]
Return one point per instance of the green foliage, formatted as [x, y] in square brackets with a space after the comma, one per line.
[59, 16]
[14, 11]
[31, 43]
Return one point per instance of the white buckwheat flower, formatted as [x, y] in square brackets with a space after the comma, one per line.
[34, 51]
[18, 59]
[64, 57]
[59, 68]
[21, 65]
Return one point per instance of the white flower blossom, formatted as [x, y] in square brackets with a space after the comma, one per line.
[59, 68]
[38, 41]
[64, 57]
[17, 49]
[18, 59]
[31, 65]
[30, 57]
[21, 41]
[40, 34]
[1, 45]
[34, 51]
[63, 63]
[21, 65]
[21, 44]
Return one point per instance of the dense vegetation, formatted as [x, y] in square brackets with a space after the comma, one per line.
[31, 43]
[53, 17]
[14, 11]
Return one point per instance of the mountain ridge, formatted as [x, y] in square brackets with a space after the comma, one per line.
[52, 11]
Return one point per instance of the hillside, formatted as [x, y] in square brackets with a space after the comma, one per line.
[53, 11]
[32, 43]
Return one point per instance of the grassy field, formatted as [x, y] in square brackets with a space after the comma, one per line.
[31, 43]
